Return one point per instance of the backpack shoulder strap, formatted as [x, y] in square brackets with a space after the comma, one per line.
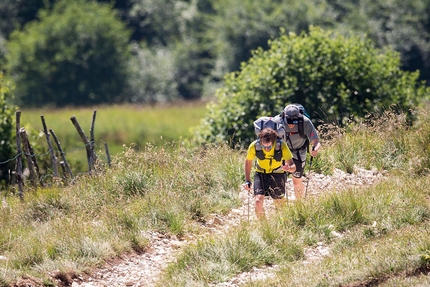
[278, 150]
[301, 126]
[259, 151]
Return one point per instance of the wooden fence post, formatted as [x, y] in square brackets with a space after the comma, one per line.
[18, 163]
[92, 141]
[29, 156]
[107, 154]
[86, 142]
[51, 150]
[63, 156]
[63, 167]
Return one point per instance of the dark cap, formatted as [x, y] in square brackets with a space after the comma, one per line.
[291, 111]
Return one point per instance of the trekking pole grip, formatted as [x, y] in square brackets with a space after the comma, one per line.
[248, 183]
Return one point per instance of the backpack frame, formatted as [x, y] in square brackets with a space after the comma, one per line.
[274, 123]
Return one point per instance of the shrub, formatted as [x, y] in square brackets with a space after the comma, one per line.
[6, 128]
[333, 76]
[77, 54]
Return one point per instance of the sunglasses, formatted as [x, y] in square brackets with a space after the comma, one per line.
[292, 121]
[266, 146]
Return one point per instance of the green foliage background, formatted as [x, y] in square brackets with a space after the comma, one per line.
[77, 53]
[6, 128]
[333, 76]
[200, 41]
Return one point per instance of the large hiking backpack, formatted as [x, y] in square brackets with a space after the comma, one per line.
[297, 119]
[274, 123]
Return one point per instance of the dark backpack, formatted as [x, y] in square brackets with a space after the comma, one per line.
[274, 123]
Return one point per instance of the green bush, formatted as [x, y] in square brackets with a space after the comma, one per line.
[333, 76]
[6, 129]
[76, 54]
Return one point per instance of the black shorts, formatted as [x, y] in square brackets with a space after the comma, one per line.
[299, 158]
[300, 168]
[270, 184]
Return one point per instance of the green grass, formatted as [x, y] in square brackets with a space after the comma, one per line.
[390, 235]
[172, 188]
[117, 126]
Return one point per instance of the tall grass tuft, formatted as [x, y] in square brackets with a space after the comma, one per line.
[384, 142]
[217, 259]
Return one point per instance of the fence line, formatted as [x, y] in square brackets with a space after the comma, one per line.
[43, 154]
[36, 178]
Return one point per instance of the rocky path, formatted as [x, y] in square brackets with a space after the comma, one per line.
[144, 269]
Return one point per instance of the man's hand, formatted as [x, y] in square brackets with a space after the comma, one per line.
[315, 148]
[289, 166]
[247, 185]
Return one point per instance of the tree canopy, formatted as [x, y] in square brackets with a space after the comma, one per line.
[202, 40]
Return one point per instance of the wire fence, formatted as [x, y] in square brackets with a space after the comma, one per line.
[26, 157]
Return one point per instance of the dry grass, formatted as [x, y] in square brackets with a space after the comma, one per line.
[384, 230]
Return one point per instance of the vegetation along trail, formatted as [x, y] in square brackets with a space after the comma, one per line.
[144, 269]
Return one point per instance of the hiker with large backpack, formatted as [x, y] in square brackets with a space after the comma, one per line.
[299, 134]
[273, 160]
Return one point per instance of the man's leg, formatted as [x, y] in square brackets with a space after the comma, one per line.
[259, 206]
[299, 188]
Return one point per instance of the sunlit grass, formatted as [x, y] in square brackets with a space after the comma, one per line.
[378, 233]
[371, 233]
[120, 125]
[383, 142]
[104, 215]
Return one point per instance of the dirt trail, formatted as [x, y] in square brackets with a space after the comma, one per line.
[144, 269]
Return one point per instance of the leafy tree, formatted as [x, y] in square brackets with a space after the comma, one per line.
[241, 26]
[195, 54]
[153, 78]
[175, 58]
[157, 22]
[16, 13]
[6, 129]
[76, 54]
[338, 77]
[402, 24]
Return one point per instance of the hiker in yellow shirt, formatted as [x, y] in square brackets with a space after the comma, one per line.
[274, 159]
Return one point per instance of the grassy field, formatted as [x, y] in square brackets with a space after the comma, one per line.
[118, 126]
[172, 188]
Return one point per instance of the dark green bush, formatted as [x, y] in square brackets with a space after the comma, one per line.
[6, 129]
[333, 76]
[76, 54]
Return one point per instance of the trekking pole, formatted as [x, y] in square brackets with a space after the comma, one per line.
[247, 191]
[310, 166]
[248, 203]
[285, 184]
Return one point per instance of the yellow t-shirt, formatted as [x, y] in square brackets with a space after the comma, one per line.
[269, 164]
